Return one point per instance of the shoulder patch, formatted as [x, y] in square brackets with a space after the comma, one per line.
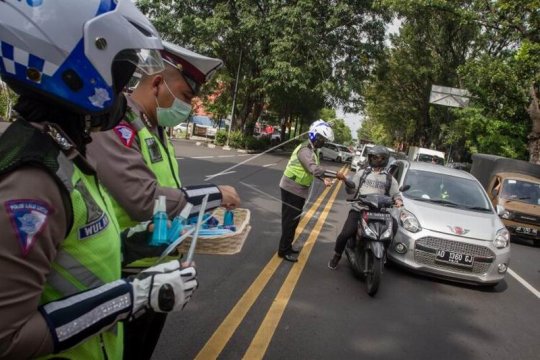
[125, 133]
[28, 219]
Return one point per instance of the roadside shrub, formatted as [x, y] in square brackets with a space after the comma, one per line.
[221, 138]
[253, 143]
[237, 140]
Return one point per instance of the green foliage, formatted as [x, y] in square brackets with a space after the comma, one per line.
[237, 140]
[294, 57]
[7, 99]
[221, 138]
[490, 48]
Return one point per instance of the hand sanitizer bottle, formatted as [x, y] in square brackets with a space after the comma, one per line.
[159, 236]
[178, 223]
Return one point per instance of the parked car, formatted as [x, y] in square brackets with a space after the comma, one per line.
[203, 126]
[447, 226]
[335, 152]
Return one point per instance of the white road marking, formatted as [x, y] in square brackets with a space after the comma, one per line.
[208, 177]
[268, 165]
[524, 283]
[226, 156]
[203, 157]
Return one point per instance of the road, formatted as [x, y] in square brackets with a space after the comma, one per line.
[253, 305]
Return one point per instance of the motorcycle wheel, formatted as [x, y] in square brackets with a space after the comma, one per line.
[373, 277]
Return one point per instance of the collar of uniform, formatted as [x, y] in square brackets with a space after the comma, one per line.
[133, 109]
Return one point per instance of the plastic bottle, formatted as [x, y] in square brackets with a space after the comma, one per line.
[178, 223]
[159, 236]
[228, 220]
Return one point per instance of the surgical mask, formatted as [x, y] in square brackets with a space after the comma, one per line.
[174, 115]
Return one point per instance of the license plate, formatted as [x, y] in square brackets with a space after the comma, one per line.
[455, 258]
[526, 230]
[378, 216]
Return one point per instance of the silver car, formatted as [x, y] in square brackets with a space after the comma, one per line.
[448, 227]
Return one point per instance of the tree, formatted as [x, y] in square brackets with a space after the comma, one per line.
[296, 56]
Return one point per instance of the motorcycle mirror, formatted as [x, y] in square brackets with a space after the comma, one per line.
[404, 188]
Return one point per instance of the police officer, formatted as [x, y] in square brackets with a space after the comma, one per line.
[372, 180]
[303, 167]
[60, 287]
[136, 162]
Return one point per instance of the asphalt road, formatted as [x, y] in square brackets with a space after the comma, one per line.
[252, 305]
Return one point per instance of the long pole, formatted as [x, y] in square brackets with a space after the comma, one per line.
[234, 101]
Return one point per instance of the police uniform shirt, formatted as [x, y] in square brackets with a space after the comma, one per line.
[27, 250]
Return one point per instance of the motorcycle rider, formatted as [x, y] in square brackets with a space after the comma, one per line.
[372, 180]
[61, 291]
[303, 167]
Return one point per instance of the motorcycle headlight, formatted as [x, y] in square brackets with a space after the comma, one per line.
[368, 232]
[387, 233]
[502, 239]
[409, 221]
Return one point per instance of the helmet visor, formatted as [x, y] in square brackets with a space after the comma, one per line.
[148, 61]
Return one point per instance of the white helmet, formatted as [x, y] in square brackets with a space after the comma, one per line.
[79, 53]
[322, 128]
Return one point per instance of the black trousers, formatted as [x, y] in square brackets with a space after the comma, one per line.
[349, 231]
[291, 209]
[141, 335]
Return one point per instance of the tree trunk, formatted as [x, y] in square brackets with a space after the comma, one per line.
[534, 136]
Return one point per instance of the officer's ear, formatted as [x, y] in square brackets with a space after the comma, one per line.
[156, 82]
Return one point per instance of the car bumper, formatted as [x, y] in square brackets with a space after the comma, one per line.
[525, 231]
[421, 256]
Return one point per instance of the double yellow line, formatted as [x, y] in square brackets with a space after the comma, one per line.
[219, 339]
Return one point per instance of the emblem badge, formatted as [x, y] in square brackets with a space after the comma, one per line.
[458, 230]
[28, 218]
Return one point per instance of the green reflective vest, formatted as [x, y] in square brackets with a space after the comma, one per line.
[295, 171]
[90, 254]
[160, 160]
[88, 257]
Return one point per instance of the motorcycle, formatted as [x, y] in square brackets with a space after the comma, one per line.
[367, 251]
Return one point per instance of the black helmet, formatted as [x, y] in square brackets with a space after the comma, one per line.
[378, 156]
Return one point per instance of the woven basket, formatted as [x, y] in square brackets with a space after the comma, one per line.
[222, 244]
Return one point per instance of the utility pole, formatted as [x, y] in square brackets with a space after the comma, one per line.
[226, 147]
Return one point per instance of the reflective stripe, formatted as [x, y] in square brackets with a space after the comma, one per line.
[77, 270]
[85, 321]
[61, 304]
[61, 285]
[65, 171]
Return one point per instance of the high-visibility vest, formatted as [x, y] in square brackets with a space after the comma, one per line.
[159, 159]
[296, 172]
[90, 254]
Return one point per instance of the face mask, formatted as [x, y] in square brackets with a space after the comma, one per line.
[174, 115]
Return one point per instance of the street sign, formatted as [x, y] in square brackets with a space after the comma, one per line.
[448, 96]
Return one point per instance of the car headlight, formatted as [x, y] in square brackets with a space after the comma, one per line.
[369, 233]
[506, 214]
[409, 221]
[502, 239]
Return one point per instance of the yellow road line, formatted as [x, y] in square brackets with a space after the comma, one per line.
[266, 331]
[226, 329]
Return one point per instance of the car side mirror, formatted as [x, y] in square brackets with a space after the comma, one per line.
[404, 188]
[500, 210]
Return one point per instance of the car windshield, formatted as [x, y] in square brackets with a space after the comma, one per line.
[343, 148]
[446, 190]
[431, 159]
[202, 120]
[519, 190]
